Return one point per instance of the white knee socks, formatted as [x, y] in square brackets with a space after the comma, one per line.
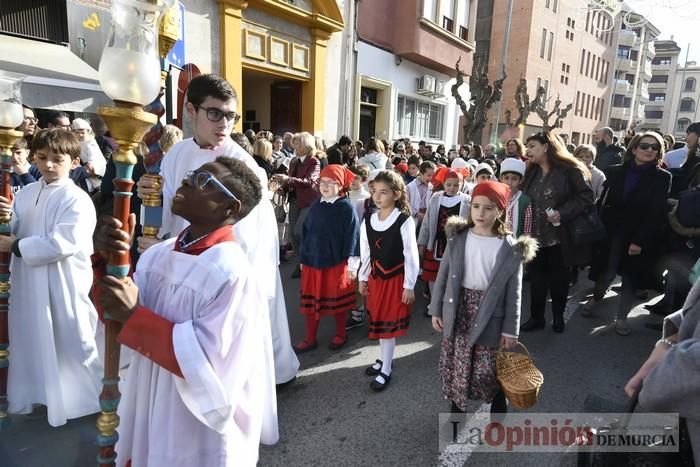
[387, 348]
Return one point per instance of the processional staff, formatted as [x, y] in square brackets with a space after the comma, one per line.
[130, 74]
[11, 116]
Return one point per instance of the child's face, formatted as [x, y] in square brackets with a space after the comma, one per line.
[452, 186]
[586, 158]
[356, 183]
[82, 134]
[207, 132]
[277, 145]
[19, 156]
[51, 165]
[204, 204]
[484, 177]
[370, 187]
[383, 196]
[329, 188]
[413, 170]
[484, 212]
[512, 180]
[426, 176]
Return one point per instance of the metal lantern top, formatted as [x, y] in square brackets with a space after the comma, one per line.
[130, 67]
[170, 27]
[11, 115]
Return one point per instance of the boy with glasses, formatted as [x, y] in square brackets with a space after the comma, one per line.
[212, 109]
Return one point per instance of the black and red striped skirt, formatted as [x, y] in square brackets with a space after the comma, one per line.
[430, 266]
[327, 291]
[388, 316]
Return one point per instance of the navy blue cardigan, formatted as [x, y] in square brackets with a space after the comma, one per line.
[331, 234]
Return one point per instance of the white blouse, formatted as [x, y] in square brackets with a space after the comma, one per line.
[479, 260]
[410, 247]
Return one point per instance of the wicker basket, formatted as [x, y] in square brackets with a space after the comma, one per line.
[519, 377]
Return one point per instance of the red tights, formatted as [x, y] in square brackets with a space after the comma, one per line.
[312, 329]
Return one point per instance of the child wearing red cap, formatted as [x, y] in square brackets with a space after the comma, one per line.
[477, 296]
[447, 202]
[329, 257]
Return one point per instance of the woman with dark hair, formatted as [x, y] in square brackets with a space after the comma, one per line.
[633, 209]
[375, 157]
[515, 148]
[560, 189]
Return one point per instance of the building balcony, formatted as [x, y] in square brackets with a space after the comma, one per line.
[652, 121]
[627, 38]
[625, 64]
[653, 85]
[646, 69]
[622, 86]
[620, 113]
[651, 50]
[686, 111]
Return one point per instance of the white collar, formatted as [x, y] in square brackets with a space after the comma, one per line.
[330, 200]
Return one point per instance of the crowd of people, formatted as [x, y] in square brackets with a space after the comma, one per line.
[368, 225]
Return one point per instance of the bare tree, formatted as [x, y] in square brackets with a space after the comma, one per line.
[538, 105]
[483, 96]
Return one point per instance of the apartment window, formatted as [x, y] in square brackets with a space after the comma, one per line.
[634, 55]
[561, 79]
[689, 85]
[623, 52]
[588, 20]
[654, 114]
[607, 69]
[546, 88]
[448, 15]
[583, 60]
[659, 79]
[547, 3]
[430, 9]
[661, 61]
[657, 97]
[602, 106]
[687, 105]
[682, 125]
[551, 46]
[463, 15]
[597, 68]
[588, 106]
[554, 5]
[588, 62]
[419, 119]
[578, 98]
[543, 44]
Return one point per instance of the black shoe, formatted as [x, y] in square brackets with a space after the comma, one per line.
[661, 309]
[531, 324]
[377, 386]
[371, 371]
[499, 407]
[558, 324]
[297, 272]
[353, 323]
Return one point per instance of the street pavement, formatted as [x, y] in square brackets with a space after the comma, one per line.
[330, 416]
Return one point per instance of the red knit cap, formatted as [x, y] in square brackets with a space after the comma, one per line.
[443, 173]
[496, 192]
[340, 174]
[401, 167]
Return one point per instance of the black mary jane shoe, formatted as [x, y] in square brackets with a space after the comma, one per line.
[371, 371]
[377, 386]
[558, 324]
[531, 325]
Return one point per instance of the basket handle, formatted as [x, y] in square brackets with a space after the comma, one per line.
[518, 344]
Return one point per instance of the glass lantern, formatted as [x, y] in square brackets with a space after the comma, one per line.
[11, 114]
[130, 67]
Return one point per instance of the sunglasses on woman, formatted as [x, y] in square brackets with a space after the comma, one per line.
[654, 146]
[202, 179]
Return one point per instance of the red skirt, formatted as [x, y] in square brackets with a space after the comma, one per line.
[430, 267]
[388, 316]
[327, 291]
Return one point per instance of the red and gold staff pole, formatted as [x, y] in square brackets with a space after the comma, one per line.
[130, 74]
[10, 117]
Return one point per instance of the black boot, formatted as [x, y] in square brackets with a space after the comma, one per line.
[532, 324]
[558, 323]
[297, 272]
[499, 407]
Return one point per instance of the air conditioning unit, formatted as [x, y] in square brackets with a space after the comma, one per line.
[440, 89]
[426, 85]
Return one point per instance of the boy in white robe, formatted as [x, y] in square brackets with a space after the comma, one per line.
[52, 322]
[200, 390]
[211, 109]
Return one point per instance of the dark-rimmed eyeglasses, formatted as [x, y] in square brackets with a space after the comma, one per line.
[654, 146]
[215, 115]
[31, 119]
[202, 178]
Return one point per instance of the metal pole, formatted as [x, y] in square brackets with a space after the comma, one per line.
[680, 91]
[613, 80]
[504, 56]
[640, 56]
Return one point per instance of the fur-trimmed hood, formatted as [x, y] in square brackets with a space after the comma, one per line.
[679, 228]
[525, 246]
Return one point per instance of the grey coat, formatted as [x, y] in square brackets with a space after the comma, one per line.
[428, 228]
[499, 311]
[673, 386]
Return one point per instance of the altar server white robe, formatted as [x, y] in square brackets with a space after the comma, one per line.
[225, 405]
[256, 233]
[52, 322]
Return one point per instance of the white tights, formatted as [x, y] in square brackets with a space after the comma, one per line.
[387, 349]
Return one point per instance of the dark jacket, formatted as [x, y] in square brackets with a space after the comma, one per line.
[266, 166]
[499, 311]
[640, 219]
[302, 184]
[608, 156]
[17, 181]
[331, 234]
[572, 194]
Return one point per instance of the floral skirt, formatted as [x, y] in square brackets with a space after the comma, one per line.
[467, 372]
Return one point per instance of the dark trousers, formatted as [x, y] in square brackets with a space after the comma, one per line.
[296, 224]
[615, 256]
[548, 275]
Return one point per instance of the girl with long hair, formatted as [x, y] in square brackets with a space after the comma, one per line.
[389, 270]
